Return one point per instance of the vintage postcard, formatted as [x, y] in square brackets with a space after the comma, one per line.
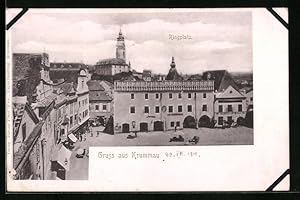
[146, 100]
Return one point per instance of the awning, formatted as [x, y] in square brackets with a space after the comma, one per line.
[72, 137]
[63, 157]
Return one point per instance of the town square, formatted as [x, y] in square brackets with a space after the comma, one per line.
[127, 88]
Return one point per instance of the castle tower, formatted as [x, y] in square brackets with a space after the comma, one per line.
[120, 47]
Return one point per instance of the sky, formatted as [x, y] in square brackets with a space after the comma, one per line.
[219, 40]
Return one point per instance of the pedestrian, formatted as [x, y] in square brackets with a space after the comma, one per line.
[98, 133]
[175, 128]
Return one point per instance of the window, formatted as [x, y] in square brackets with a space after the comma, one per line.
[179, 108]
[170, 96]
[170, 109]
[229, 108]
[156, 95]
[220, 108]
[96, 107]
[132, 96]
[189, 108]
[172, 124]
[240, 108]
[146, 109]
[220, 120]
[71, 120]
[189, 95]
[104, 107]
[177, 123]
[204, 107]
[229, 119]
[179, 95]
[156, 109]
[75, 117]
[146, 96]
[71, 108]
[204, 95]
[132, 109]
[24, 131]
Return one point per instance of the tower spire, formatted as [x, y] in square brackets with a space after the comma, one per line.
[173, 65]
[120, 47]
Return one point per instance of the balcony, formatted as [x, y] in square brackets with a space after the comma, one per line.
[148, 86]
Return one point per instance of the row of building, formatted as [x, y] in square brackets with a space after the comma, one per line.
[53, 104]
[47, 117]
[213, 101]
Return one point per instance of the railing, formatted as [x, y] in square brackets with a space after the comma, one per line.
[126, 86]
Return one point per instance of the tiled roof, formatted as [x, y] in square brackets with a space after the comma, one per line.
[19, 106]
[111, 61]
[173, 75]
[250, 90]
[107, 83]
[26, 146]
[68, 75]
[60, 100]
[66, 88]
[222, 79]
[99, 96]
[45, 102]
[95, 85]
[64, 65]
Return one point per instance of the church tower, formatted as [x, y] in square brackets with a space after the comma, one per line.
[173, 74]
[120, 47]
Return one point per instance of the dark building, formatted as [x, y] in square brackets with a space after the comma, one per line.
[29, 71]
[65, 71]
[173, 75]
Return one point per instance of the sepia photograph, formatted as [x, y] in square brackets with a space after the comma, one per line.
[156, 79]
[127, 79]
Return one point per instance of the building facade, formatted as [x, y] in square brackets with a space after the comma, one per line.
[83, 98]
[229, 103]
[100, 100]
[230, 107]
[156, 106]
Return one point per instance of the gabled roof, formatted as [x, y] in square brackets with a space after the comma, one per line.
[99, 96]
[95, 85]
[20, 105]
[107, 83]
[111, 61]
[45, 102]
[66, 88]
[222, 79]
[230, 92]
[173, 75]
